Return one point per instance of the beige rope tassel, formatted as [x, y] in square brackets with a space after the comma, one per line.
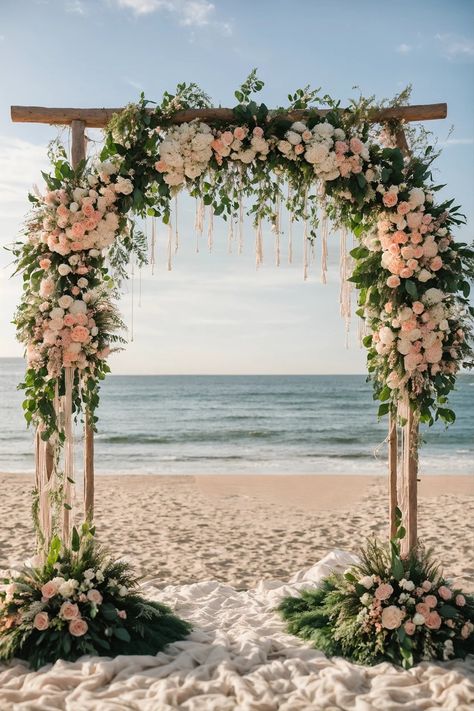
[68, 484]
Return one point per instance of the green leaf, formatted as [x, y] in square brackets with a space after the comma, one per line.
[384, 409]
[122, 633]
[54, 550]
[397, 568]
[411, 289]
[448, 611]
[75, 540]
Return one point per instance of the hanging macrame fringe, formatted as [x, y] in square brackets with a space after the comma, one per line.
[68, 483]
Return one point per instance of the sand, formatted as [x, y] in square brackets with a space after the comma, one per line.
[242, 529]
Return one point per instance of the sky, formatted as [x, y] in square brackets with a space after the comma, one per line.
[214, 312]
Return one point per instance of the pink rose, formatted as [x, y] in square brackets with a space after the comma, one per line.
[390, 199]
[160, 167]
[383, 591]
[78, 627]
[423, 609]
[400, 237]
[122, 614]
[388, 307]
[46, 288]
[460, 600]
[69, 611]
[88, 210]
[240, 133]
[41, 621]
[257, 131]
[433, 621]
[62, 211]
[431, 601]
[45, 263]
[341, 147]
[80, 334]
[414, 220]
[82, 320]
[403, 208]
[409, 627]
[94, 596]
[406, 273]
[49, 590]
[445, 593]
[393, 281]
[436, 264]
[69, 320]
[299, 149]
[356, 145]
[466, 630]
[418, 309]
[392, 617]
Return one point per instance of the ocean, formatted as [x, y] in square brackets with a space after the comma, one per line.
[288, 424]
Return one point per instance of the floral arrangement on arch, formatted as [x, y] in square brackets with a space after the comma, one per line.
[411, 274]
[385, 608]
[79, 601]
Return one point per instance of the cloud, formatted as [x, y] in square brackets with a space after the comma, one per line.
[190, 13]
[457, 142]
[21, 163]
[76, 7]
[404, 48]
[455, 46]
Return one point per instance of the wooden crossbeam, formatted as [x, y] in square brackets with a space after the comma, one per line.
[99, 118]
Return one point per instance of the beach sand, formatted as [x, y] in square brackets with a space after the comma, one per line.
[241, 529]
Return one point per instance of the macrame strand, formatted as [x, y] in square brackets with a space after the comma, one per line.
[176, 232]
[153, 244]
[170, 246]
[305, 237]
[324, 240]
[241, 224]
[68, 482]
[290, 228]
[210, 230]
[258, 245]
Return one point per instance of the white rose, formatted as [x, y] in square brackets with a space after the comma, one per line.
[424, 275]
[192, 171]
[325, 129]
[124, 186]
[284, 147]
[75, 259]
[432, 296]
[65, 301]
[366, 599]
[316, 153]
[293, 137]
[78, 194]
[386, 335]
[339, 134]
[67, 588]
[56, 313]
[94, 252]
[408, 585]
[77, 307]
[416, 197]
[92, 180]
[74, 207]
[418, 619]
[64, 269]
[173, 179]
[367, 581]
[404, 346]
[299, 127]
[82, 283]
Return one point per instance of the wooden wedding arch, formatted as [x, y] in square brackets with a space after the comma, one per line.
[402, 494]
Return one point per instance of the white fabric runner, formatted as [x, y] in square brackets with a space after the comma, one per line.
[238, 657]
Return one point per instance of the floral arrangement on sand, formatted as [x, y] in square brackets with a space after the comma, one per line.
[78, 602]
[385, 608]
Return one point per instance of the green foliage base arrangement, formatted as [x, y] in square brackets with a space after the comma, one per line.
[385, 609]
[79, 601]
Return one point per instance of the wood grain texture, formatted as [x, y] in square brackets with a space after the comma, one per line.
[99, 118]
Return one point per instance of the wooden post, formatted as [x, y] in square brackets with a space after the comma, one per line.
[392, 472]
[78, 153]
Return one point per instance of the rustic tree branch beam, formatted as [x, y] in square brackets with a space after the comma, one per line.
[99, 118]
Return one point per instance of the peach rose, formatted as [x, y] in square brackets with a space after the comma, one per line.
[445, 593]
[460, 600]
[392, 617]
[418, 309]
[41, 621]
[88, 210]
[409, 627]
[356, 145]
[45, 263]
[403, 208]
[390, 199]
[240, 133]
[69, 611]
[78, 627]
[383, 591]
[161, 166]
[433, 621]
[80, 334]
[69, 320]
[393, 281]
[122, 614]
[436, 264]
[49, 590]
[431, 601]
[424, 609]
[414, 220]
[94, 596]
[257, 131]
